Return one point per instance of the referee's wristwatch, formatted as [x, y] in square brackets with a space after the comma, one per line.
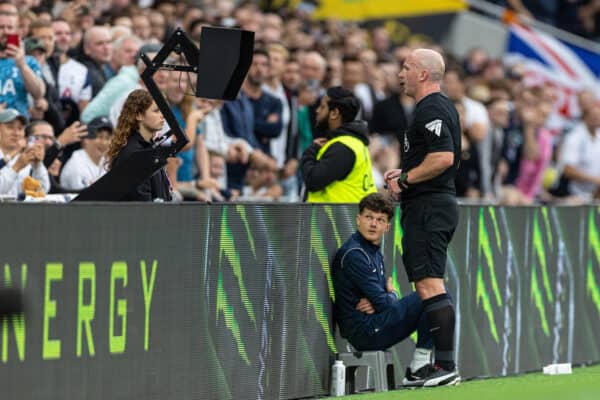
[403, 181]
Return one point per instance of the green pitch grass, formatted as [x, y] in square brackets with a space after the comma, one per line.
[583, 384]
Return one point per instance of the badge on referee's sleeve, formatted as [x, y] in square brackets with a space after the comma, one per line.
[435, 126]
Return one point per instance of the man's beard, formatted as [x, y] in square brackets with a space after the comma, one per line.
[322, 128]
[255, 81]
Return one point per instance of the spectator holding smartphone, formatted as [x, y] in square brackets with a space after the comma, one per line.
[43, 132]
[19, 158]
[19, 74]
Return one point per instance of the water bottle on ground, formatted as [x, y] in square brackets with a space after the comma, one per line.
[338, 378]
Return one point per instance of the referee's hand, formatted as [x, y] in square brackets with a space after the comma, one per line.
[392, 174]
[391, 180]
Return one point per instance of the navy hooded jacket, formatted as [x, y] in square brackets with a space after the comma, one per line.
[357, 272]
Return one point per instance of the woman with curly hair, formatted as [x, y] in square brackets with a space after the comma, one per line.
[139, 121]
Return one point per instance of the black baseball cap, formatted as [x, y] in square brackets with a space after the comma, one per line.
[97, 124]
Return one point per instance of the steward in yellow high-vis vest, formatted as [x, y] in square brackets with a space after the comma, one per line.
[337, 168]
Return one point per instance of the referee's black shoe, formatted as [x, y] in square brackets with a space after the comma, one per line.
[441, 377]
[416, 379]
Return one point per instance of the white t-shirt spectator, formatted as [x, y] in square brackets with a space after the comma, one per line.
[215, 138]
[80, 171]
[74, 81]
[581, 150]
[11, 182]
[475, 113]
[362, 91]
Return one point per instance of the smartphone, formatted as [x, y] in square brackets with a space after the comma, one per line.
[30, 141]
[13, 39]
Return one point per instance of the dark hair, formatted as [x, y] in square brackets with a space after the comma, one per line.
[349, 59]
[499, 84]
[261, 52]
[344, 101]
[41, 10]
[33, 124]
[377, 202]
[385, 59]
[493, 101]
[195, 22]
[458, 70]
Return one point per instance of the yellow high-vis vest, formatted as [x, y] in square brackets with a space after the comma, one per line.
[357, 184]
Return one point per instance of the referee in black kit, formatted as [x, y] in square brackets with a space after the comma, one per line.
[425, 186]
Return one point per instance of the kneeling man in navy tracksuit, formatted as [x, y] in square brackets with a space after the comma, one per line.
[370, 315]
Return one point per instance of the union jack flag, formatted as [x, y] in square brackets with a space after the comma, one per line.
[547, 60]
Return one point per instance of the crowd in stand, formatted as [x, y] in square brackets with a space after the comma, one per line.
[62, 90]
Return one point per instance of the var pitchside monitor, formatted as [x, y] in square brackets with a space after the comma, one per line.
[224, 60]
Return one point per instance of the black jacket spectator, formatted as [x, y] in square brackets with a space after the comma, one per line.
[96, 71]
[54, 113]
[468, 176]
[264, 130]
[336, 163]
[237, 117]
[389, 117]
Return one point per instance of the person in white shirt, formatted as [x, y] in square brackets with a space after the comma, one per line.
[88, 164]
[580, 155]
[278, 56]
[476, 116]
[288, 166]
[217, 141]
[18, 159]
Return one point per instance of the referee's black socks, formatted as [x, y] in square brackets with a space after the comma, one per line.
[440, 315]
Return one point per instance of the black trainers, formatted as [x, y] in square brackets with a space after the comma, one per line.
[441, 377]
[417, 378]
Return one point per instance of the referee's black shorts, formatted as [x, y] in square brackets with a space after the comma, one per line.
[428, 223]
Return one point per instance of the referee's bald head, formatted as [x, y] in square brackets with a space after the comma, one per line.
[432, 62]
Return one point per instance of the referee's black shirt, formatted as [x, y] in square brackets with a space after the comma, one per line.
[435, 128]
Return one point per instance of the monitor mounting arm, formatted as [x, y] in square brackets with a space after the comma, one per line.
[179, 42]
